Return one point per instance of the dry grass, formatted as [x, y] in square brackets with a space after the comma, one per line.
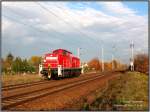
[127, 90]
[19, 79]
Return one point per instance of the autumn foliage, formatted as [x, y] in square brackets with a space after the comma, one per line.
[96, 64]
[141, 63]
[107, 66]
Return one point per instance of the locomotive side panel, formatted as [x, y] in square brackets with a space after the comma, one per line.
[65, 60]
[75, 62]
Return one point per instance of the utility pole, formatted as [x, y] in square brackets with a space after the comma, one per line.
[78, 52]
[102, 60]
[113, 54]
[112, 61]
[79, 55]
[132, 56]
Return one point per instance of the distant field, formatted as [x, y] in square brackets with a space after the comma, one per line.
[20, 78]
[128, 92]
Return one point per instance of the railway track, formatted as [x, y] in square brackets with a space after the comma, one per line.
[10, 87]
[17, 86]
[38, 90]
[12, 101]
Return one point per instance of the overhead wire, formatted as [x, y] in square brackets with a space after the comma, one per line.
[35, 28]
[66, 22]
[114, 49]
[98, 42]
[73, 19]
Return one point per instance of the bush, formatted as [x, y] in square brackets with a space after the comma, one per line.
[94, 64]
[141, 63]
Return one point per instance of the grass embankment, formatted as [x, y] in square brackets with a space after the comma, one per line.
[127, 92]
[19, 79]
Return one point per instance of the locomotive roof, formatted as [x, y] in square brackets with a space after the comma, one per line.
[61, 50]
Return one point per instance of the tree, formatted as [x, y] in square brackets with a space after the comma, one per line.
[27, 67]
[94, 63]
[2, 65]
[115, 63]
[108, 66]
[141, 63]
[17, 65]
[7, 63]
[22, 66]
[35, 61]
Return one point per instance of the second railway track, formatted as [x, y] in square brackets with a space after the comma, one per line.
[10, 87]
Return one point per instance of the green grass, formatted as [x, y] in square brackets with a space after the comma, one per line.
[129, 90]
[19, 79]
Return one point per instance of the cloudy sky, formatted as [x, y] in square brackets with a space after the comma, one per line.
[36, 28]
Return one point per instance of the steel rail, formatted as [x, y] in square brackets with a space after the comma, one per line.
[10, 87]
[39, 90]
[14, 101]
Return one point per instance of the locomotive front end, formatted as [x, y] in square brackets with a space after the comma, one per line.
[50, 65]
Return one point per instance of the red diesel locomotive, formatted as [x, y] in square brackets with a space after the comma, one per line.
[60, 63]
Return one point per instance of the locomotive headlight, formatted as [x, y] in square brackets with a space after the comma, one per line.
[44, 60]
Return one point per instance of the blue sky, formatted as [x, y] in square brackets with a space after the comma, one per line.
[83, 5]
[69, 25]
[141, 7]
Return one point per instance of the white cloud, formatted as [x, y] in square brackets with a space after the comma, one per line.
[6, 24]
[118, 8]
[118, 28]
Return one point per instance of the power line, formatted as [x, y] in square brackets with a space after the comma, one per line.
[54, 29]
[31, 26]
[15, 20]
[51, 12]
[71, 18]
[78, 31]
[34, 28]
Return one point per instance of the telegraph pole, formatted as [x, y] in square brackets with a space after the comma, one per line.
[79, 52]
[132, 56]
[112, 61]
[113, 47]
[102, 60]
